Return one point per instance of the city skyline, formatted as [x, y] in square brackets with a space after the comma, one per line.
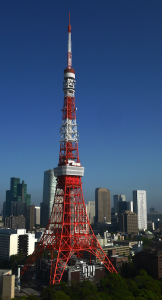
[117, 58]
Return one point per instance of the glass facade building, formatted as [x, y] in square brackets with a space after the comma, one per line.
[16, 194]
[49, 188]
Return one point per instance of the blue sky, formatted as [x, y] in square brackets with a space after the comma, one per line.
[117, 56]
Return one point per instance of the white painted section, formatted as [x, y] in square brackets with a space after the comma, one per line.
[69, 84]
[69, 170]
[69, 41]
[69, 131]
[69, 74]
[73, 163]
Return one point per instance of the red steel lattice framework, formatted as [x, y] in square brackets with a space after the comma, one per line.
[68, 231]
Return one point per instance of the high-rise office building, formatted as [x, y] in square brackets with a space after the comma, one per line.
[37, 216]
[102, 205]
[30, 217]
[140, 208]
[49, 187]
[125, 205]
[18, 209]
[91, 211]
[17, 193]
[118, 198]
[128, 222]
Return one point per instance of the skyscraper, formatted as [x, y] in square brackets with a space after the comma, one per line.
[118, 198]
[125, 205]
[102, 205]
[37, 216]
[30, 217]
[91, 211]
[49, 187]
[140, 208]
[17, 193]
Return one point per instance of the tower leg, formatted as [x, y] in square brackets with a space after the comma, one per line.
[58, 266]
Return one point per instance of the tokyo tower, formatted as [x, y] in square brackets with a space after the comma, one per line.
[68, 231]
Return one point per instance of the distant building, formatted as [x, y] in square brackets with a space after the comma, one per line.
[118, 198]
[91, 211]
[128, 222]
[49, 188]
[37, 216]
[140, 208]
[154, 217]
[153, 211]
[17, 193]
[15, 222]
[125, 205]
[30, 217]
[18, 208]
[102, 205]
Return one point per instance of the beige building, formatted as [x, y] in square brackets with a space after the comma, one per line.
[7, 284]
[102, 205]
[128, 222]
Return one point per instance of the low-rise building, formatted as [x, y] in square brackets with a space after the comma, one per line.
[7, 284]
[117, 261]
[151, 261]
[9, 242]
[76, 270]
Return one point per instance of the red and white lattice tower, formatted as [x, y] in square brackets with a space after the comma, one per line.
[69, 231]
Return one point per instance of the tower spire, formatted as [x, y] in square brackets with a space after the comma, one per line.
[69, 54]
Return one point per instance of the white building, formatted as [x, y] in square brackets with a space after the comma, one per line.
[9, 242]
[91, 211]
[37, 216]
[49, 188]
[140, 208]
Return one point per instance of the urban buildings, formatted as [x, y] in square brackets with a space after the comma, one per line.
[76, 270]
[37, 216]
[118, 198]
[153, 211]
[91, 211]
[18, 209]
[17, 193]
[13, 222]
[102, 205]
[7, 284]
[30, 217]
[151, 261]
[154, 217]
[49, 187]
[140, 208]
[128, 222]
[9, 242]
[125, 205]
